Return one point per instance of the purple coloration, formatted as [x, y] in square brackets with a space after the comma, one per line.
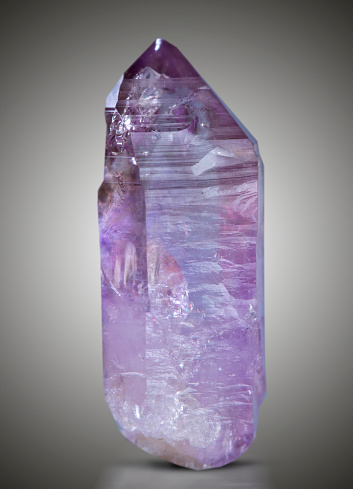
[163, 58]
[181, 233]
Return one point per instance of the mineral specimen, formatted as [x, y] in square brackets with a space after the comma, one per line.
[181, 235]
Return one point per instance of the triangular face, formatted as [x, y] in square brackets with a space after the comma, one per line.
[165, 59]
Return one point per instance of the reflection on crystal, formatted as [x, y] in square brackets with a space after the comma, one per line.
[181, 235]
[239, 475]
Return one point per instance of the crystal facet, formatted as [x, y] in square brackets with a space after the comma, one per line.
[181, 235]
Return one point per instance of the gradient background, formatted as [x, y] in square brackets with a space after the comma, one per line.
[285, 69]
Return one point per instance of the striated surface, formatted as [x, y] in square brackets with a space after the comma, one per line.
[181, 234]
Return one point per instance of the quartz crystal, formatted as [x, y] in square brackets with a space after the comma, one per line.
[181, 236]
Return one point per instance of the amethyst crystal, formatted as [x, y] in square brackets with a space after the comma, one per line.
[181, 235]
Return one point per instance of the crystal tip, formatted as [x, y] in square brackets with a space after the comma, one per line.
[164, 58]
[157, 43]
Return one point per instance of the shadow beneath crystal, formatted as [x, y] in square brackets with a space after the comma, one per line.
[162, 464]
[155, 474]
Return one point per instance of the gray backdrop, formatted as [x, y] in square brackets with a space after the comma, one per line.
[285, 69]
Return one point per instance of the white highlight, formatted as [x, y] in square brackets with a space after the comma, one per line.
[158, 44]
[212, 159]
[137, 411]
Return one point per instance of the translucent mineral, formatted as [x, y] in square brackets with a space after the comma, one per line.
[181, 236]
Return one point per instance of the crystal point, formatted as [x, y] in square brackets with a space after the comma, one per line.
[181, 236]
[165, 59]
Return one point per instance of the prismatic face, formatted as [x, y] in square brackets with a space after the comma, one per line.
[181, 235]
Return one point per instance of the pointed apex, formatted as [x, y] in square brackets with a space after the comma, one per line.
[157, 43]
[164, 58]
